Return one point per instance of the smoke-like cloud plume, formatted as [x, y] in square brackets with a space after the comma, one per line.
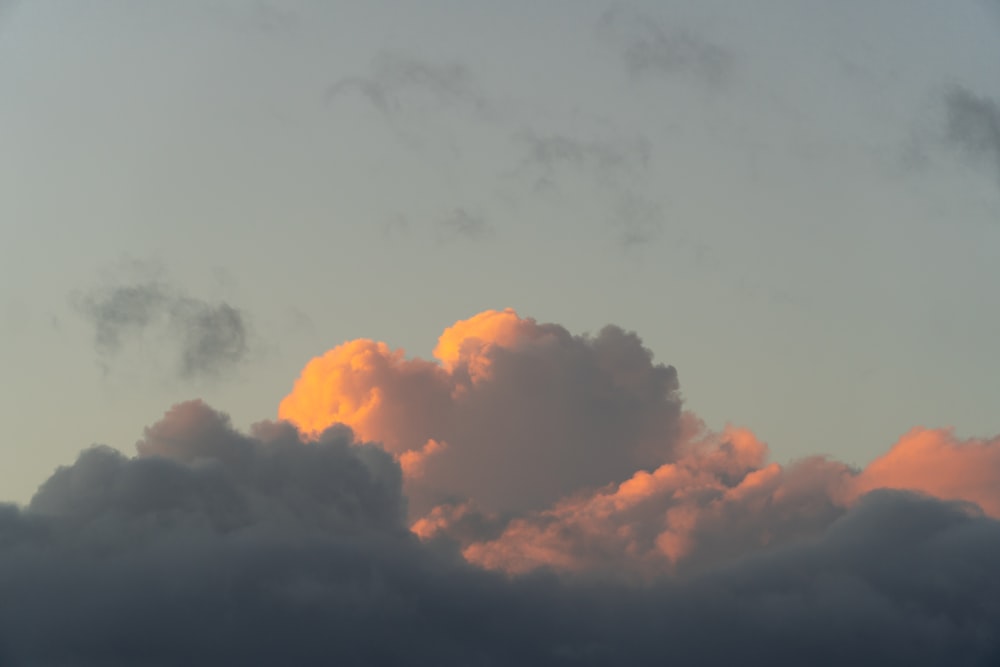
[974, 125]
[208, 339]
[394, 78]
[649, 47]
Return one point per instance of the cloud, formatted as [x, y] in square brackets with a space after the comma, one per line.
[396, 80]
[464, 225]
[215, 547]
[717, 502]
[617, 165]
[721, 500]
[936, 462]
[529, 411]
[528, 448]
[638, 220]
[574, 452]
[974, 126]
[649, 48]
[549, 151]
[208, 339]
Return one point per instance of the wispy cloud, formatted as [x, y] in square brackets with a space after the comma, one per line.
[462, 224]
[394, 79]
[208, 339]
[974, 126]
[648, 47]
[638, 220]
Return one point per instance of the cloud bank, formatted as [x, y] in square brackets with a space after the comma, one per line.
[298, 543]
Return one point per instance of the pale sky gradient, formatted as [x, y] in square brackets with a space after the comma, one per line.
[796, 203]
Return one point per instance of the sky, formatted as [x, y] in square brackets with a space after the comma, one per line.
[664, 307]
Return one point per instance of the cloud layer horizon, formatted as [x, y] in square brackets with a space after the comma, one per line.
[529, 496]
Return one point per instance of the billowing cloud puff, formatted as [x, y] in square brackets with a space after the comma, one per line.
[528, 411]
[585, 520]
[934, 461]
[213, 547]
[720, 501]
[532, 448]
[195, 472]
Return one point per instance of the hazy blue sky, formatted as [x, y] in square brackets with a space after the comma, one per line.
[796, 203]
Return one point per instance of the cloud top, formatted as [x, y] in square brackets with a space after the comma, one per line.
[529, 411]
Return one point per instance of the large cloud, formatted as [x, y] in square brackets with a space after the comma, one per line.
[528, 448]
[520, 413]
[212, 547]
[718, 502]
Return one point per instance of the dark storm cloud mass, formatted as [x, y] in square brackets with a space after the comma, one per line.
[974, 126]
[212, 547]
[209, 339]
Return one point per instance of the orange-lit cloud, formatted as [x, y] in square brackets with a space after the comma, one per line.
[467, 342]
[413, 462]
[938, 464]
[531, 447]
[376, 391]
[529, 412]
[722, 500]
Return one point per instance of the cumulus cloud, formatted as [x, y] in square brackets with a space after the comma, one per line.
[208, 339]
[529, 411]
[719, 501]
[578, 517]
[215, 547]
[936, 462]
[974, 125]
[571, 453]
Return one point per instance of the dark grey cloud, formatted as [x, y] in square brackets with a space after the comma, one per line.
[209, 339]
[214, 547]
[648, 47]
[974, 126]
